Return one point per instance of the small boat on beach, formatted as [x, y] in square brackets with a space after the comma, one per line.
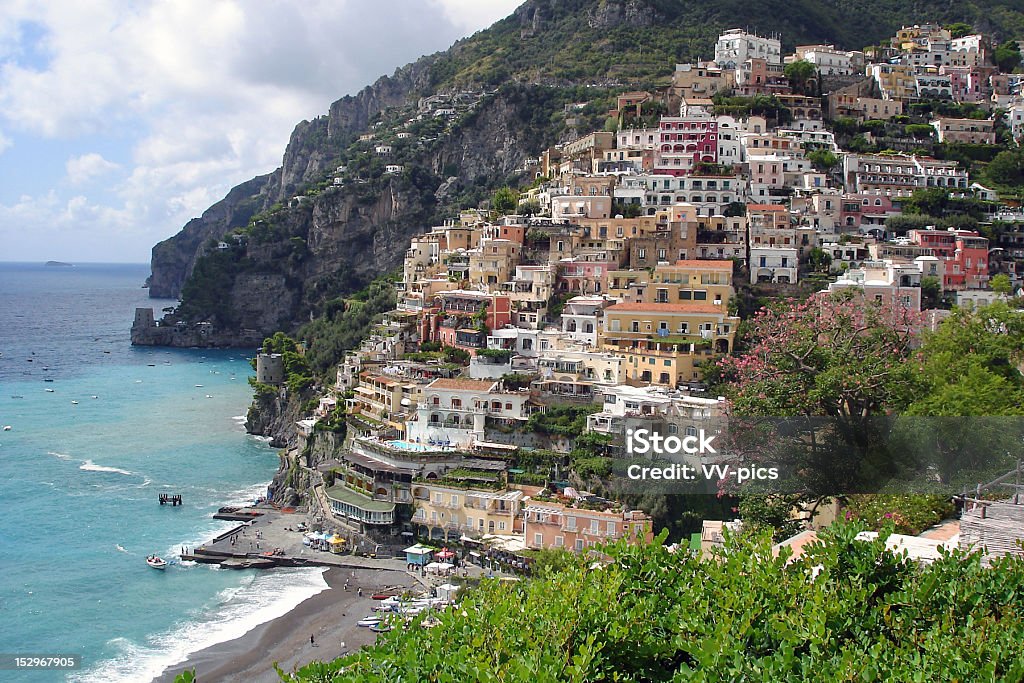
[156, 562]
[385, 594]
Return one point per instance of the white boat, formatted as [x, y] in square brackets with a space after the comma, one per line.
[156, 562]
[74, 403]
[369, 621]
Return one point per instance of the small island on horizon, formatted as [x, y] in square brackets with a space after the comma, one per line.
[60, 263]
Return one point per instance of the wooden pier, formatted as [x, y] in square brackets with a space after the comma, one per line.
[172, 499]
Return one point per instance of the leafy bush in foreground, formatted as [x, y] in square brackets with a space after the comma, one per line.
[847, 610]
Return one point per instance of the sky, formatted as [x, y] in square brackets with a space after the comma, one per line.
[120, 120]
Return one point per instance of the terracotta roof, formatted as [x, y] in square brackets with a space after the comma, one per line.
[373, 377]
[463, 384]
[707, 263]
[797, 543]
[665, 308]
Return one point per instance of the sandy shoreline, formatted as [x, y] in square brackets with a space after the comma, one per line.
[330, 617]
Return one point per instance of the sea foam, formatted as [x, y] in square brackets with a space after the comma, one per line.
[90, 466]
[232, 614]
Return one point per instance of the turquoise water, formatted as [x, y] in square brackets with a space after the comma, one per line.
[79, 481]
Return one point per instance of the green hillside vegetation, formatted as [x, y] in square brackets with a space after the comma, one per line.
[847, 610]
[345, 323]
[569, 47]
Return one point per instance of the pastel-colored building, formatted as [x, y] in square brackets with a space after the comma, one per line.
[559, 525]
[664, 343]
[964, 252]
[893, 283]
[773, 264]
[969, 131]
[444, 511]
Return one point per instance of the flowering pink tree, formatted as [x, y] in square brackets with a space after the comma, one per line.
[834, 355]
[811, 392]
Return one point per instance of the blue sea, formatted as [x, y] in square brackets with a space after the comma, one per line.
[82, 466]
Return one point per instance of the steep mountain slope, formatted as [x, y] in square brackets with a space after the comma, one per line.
[300, 252]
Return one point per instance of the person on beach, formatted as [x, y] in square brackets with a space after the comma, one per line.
[311, 641]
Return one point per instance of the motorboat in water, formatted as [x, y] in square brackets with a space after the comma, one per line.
[156, 562]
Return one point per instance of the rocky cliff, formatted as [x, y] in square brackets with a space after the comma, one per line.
[306, 159]
[275, 273]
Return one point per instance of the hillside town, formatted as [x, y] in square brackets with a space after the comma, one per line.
[605, 290]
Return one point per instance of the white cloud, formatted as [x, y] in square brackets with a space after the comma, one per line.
[88, 167]
[5, 142]
[202, 93]
[473, 15]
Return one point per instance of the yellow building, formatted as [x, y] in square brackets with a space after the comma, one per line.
[620, 283]
[664, 343]
[696, 281]
[384, 400]
[896, 81]
[448, 510]
[493, 262]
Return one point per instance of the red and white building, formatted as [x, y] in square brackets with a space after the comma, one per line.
[683, 142]
[964, 254]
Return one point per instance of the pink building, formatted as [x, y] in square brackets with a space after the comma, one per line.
[559, 525]
[963, 252]
[684, 142]
[453, 319]
[862, 210]
[584, 277]
[970, 83]
[757, 76]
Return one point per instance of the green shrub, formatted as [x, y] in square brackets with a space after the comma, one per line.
[846, 610]
[906, 514]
